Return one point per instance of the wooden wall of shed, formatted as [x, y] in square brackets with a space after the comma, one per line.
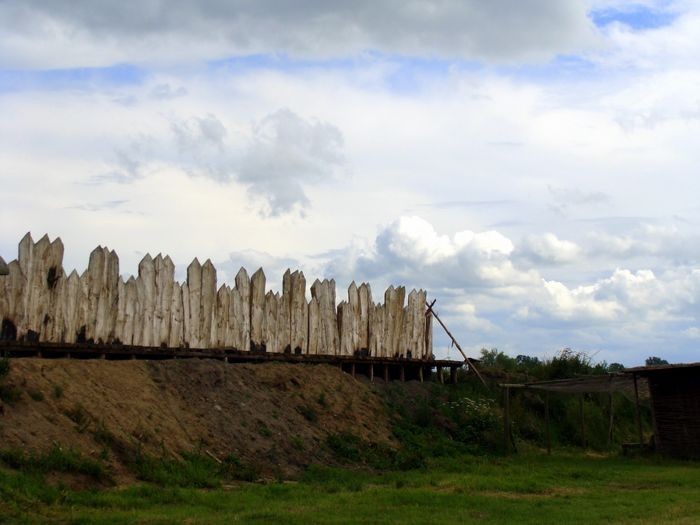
[675, 401]
[152, 309]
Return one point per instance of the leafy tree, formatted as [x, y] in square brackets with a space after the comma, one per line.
[616, 367]
[651, 361]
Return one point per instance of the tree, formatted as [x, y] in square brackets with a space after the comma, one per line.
[652, 361]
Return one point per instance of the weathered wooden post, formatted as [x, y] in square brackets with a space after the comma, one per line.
[583, 422]
[546, 422]
[371, 372]
[506, 419]
[439, 374]
[637, 410]
[610, 413]
[386, 373]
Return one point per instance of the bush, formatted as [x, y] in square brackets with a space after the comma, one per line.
[55, 460]
[193, 470]
[349, 448]
[235, 469]
[309, 413]
[8, 394]
[36, 395]
[4, 367]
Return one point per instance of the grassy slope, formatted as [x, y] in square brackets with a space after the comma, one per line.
[530, 488]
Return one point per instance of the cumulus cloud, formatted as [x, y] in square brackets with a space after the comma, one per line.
[286, 153]
[485, 293]
[89, 32]
[661, 241]
[549, 249]
[410, 251]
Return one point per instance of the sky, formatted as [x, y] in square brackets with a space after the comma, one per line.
[532, 164]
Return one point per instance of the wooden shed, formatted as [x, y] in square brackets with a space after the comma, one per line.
[675, 404]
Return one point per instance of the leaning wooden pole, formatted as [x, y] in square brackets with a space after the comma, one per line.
[469, 361]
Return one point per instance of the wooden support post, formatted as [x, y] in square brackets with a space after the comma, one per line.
[420, 373]
[386, 373]
[439, 374]
[506, 420]
[371, 372]
[637, 410]
[583, 422]
[453, 375]
[352, 369]
[546, 423]
[403, 373]
[610, 414]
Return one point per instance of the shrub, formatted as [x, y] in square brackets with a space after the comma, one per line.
[36, 395]
[55, 460]
[233, 468]
[57, 391]
[194, 470]
[4, 367]
[308, 412]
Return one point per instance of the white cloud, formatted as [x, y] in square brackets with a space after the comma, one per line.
[693, 332]
[286, 153]
[549, 249]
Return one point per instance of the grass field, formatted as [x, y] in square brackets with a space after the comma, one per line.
[529, 488]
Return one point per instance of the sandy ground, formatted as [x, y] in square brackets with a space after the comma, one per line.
[275, 416]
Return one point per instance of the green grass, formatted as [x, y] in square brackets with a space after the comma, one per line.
[55, 460]
[530, 488]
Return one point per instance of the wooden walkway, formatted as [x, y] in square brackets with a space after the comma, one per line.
[384, 368]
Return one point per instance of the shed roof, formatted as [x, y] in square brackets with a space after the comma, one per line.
[646, 370]
[604, 383]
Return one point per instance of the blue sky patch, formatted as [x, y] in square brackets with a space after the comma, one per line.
[636, 17]
[77, 78]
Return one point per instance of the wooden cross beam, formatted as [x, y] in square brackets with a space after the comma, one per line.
[467, 360]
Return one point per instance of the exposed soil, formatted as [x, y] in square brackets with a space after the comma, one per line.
[274, 416]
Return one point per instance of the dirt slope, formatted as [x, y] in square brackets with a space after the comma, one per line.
[275, 416]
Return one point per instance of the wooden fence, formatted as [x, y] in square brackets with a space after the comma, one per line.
[40, 302]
